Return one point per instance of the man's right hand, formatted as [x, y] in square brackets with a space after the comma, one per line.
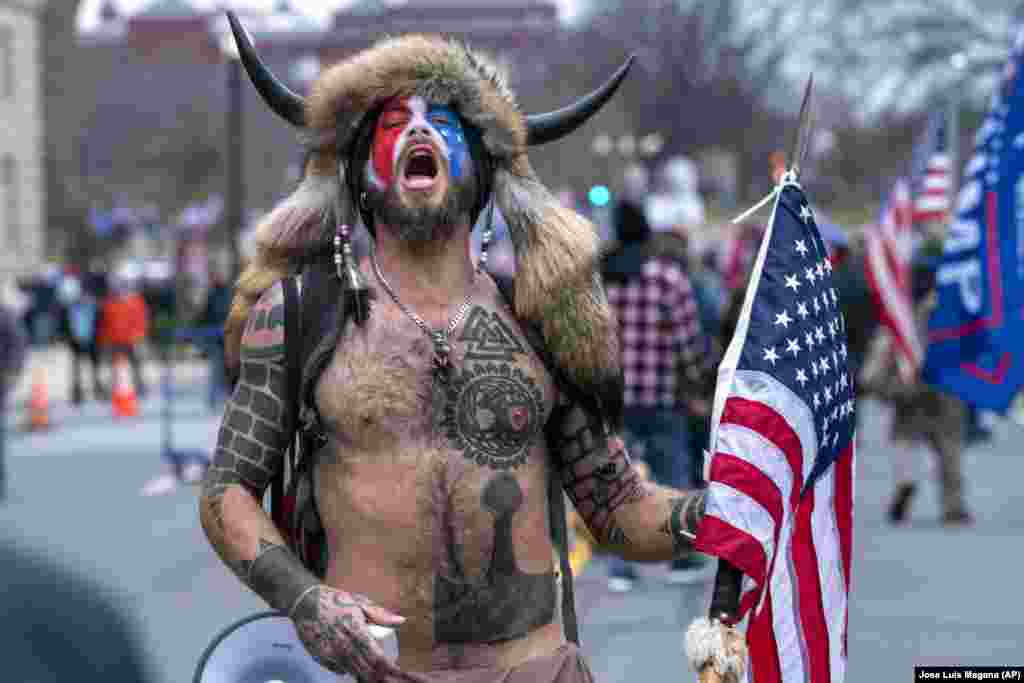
[334, 627]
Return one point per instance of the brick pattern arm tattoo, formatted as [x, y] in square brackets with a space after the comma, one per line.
[250, 451]
[637, 519]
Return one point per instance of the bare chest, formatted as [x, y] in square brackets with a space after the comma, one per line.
[382, 389]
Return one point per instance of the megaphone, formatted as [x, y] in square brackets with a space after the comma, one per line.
[265, 648]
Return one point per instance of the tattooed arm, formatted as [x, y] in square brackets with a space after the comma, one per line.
[640, 520]
[250, 452]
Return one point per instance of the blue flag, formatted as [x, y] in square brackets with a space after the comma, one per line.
[976, 332]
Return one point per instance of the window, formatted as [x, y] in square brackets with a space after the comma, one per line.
[10, 205]
[6, 62]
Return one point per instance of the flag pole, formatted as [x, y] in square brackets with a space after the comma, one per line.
[715, 647]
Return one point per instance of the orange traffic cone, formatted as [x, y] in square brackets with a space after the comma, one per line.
[39, 402]
[123, 395]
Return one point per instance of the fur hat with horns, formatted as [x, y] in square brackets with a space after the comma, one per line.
[557, 286]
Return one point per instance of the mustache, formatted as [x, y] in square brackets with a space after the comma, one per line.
[423, 223]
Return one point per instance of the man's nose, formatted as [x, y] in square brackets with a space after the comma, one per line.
[420, 129]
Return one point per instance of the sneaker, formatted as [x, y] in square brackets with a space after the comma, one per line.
[193, 473]
[690, 569]
[161, 485]
[620, 584]
[959, 517]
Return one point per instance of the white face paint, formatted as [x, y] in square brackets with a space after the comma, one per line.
[435, 125]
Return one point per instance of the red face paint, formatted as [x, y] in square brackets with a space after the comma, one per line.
[392, 122]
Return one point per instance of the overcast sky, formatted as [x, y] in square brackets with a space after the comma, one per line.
[319, 9]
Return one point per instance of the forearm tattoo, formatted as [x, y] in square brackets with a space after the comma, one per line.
[596, 472]
[683, 521]
[278, 577]
[251, 441]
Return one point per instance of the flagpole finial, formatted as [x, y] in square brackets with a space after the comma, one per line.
[802, 137]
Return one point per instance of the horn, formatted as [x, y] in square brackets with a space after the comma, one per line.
[284, 102]
[550, 126]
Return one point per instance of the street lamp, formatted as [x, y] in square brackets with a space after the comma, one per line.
[234, 190]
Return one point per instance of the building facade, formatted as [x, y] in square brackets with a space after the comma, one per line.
[22, 201]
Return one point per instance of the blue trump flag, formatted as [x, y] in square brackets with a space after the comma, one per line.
[976, 332]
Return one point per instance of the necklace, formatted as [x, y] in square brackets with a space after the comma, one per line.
[439, 337]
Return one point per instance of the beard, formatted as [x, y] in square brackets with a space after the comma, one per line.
[422, 224]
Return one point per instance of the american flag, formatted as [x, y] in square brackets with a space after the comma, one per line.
[931, 173]
[780, 494]
[888, 251]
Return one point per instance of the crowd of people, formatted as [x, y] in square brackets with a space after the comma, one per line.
[677, 293]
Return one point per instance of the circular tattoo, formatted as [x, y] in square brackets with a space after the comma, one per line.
[493, 413]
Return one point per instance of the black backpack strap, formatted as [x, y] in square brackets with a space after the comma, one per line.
[293, 376]
[556, 495]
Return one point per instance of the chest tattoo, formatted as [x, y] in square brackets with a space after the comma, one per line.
[492, 408]
[505, 602]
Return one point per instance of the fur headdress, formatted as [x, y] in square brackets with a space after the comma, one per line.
[557, 283]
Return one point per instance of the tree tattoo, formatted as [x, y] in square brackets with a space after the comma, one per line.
[493, 409]
[505, 602]
[493, 413]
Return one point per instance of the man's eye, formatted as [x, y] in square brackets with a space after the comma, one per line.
[395, 122]
[441, 120]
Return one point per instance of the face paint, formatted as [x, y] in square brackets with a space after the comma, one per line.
[398, 119]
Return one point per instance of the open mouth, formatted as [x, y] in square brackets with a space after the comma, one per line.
[420, 169]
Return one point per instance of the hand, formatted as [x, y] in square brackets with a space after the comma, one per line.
[334, 626]
[699, 407]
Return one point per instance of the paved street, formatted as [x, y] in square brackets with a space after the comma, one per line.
[921, 594]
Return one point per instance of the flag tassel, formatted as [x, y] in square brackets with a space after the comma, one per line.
[717, 650]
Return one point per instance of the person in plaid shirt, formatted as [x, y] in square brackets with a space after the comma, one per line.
[664, 355]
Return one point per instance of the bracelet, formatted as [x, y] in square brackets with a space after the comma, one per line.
[299, 599]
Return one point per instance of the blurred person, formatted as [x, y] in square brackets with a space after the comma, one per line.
[13, 352]
[856, 300]
[210, 337]
[922, 415]
[79, 325]
[740, 253]
[441, 444]
[123, 326]
[663, 354]
[61, 627]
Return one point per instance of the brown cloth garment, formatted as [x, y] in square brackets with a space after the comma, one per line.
[921, 413]
[566, 665]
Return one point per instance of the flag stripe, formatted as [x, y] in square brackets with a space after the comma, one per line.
[830, 573]
[811, 608]
[763, 647]
[721, 539]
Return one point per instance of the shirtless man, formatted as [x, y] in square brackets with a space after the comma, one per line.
[433, 483]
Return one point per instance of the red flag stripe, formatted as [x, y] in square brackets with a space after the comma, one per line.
[772, 426]
[811, 609]
[721, 539]
[764, 650]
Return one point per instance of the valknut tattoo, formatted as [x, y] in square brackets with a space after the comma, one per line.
[493, 414]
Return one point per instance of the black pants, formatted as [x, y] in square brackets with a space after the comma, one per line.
[78, 354]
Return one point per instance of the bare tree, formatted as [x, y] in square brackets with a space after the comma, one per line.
[905, 56]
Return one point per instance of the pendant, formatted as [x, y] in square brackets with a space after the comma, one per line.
[442, 355]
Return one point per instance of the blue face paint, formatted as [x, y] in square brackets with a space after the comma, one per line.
[448, 124]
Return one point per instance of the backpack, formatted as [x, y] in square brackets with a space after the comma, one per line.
[315, 315]
[82, 321]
